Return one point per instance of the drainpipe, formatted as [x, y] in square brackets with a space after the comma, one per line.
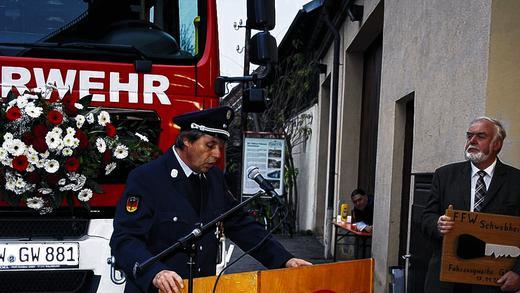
[333, 129]
[334, 111]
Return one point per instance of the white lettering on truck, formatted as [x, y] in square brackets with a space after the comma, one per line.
[152, 84]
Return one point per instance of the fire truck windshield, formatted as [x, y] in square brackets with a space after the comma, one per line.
[169, 32]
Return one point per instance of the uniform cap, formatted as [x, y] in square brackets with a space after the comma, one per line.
[213, 121]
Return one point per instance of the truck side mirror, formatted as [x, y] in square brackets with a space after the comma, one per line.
[263, 49]
[220, 86]
[260, 14]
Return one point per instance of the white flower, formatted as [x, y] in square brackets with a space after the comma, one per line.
[3, 154]
[44, 190]
[75, 143]
[8, 136]
[17, 147]
[85, 194]
[70, 131]
[32, 111]
[69, 140]
[7, 162]
[53, 140]
[78, 106]
[101, 145]
[110, 167]
[45, 155]
[35, 203]
[121, 151]
[51, 166]
[10, 184]
[21, 102]
[33, 158]
[67, 152]
[20, 184]
[40, 164]
[30, 168]
[30, 97]
[80, 119]
[103, 118]
[56, 130]
[90, 118]
[142, 137]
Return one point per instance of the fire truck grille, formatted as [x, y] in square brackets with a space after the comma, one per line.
[48, 228]
[46, 281]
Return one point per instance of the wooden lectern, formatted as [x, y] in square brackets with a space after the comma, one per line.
[347, 276]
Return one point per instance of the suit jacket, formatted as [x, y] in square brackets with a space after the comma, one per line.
[164, 214]
[452, 185]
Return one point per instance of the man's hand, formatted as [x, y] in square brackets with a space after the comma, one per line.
[445, 224]
[509, 282]
[297, 262]
[168, 282]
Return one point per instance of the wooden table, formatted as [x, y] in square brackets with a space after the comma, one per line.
[343, 229]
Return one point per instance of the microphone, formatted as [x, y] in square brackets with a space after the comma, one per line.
[254, 174]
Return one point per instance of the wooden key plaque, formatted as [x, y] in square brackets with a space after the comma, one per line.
[480, 248]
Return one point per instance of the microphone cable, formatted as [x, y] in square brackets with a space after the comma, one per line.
[282, 220]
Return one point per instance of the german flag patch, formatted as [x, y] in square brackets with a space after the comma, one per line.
[132, 203]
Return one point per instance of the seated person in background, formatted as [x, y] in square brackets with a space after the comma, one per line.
[363, 211]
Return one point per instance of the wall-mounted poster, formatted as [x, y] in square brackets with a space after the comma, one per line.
[268, 155]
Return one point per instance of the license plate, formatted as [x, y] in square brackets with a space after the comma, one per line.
[39, 255]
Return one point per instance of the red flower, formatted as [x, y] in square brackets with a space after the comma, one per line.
[20, 163]
[40, 130]
[39, 144]
[83, 139]
[68, 102]
[107, 157]
[71, 110]
[33, 177]
[110, 129]
[72, 164]
[54, 97]
[52, 179]
[28, 138]
[55, 117]
[13, 113]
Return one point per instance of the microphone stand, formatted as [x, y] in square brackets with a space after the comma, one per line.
[188, 242]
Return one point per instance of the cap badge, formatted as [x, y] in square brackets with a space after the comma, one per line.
[174, 173]
[228, 114]
[132, 203]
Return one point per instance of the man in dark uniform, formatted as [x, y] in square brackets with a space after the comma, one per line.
[481, 184]
[167, 198]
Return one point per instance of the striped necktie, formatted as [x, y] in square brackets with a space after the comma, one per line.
[480, 191]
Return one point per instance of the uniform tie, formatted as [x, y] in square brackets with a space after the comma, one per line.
[480, 191]
[196, 194]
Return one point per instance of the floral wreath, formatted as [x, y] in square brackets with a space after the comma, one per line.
[51, 150]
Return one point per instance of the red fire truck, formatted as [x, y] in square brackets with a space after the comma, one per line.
[142, 60]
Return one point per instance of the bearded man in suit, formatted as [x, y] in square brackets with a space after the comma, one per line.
[481, 184]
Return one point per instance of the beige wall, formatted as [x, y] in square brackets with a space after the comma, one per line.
[460, 60]
[437, 50]
[503, 89]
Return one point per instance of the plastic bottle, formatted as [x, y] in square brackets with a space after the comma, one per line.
[344, 211]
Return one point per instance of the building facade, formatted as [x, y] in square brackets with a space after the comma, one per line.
[410, 76]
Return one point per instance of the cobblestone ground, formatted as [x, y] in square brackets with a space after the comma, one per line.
[302, 246]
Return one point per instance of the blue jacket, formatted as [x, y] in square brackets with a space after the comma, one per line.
[164, 214]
